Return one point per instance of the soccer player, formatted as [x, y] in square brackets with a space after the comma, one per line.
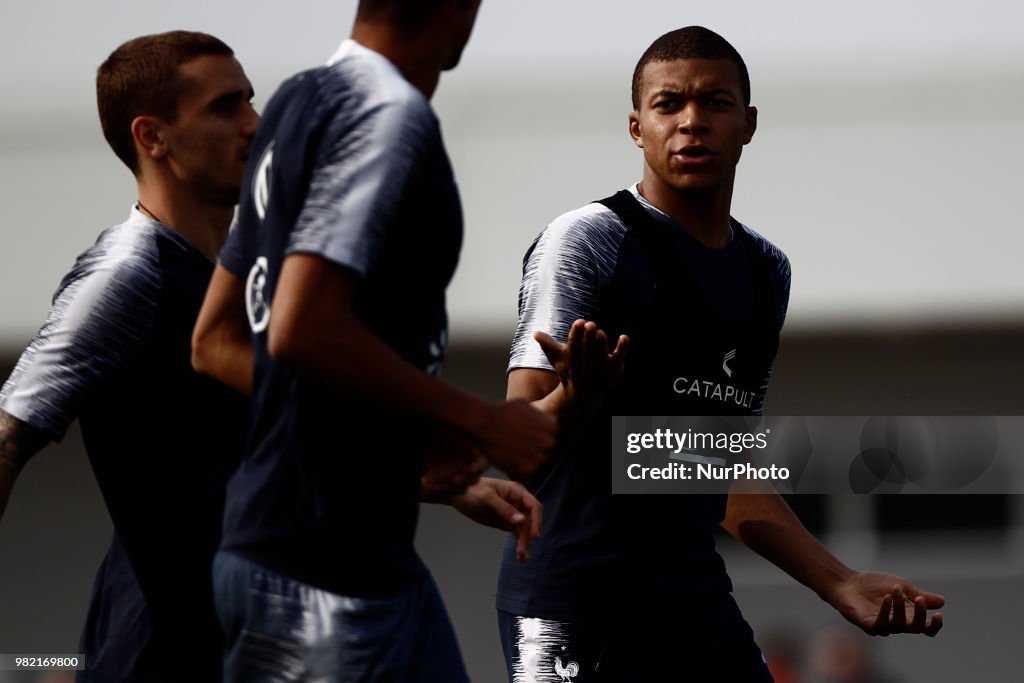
[348, 232]
[114, 352]
[630, 588]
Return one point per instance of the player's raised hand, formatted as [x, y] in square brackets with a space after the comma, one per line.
[883, 604]
[585, 367]
[516, 438]
[503, 504]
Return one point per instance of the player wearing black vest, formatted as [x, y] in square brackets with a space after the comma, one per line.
[629, 588]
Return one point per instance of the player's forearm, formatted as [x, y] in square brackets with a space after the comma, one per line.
[235, 366]
[356, 361]
[554, 403]
[224, 357]
[765, 524]
[221, 342]
[572, 420]
[454, 500]
[7, 476]
[314, 329]
[18, 443]
[544, 392]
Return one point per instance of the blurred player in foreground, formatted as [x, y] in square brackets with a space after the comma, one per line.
[348, 233]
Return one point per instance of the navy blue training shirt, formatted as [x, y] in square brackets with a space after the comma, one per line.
[703, 326]
[350, 166]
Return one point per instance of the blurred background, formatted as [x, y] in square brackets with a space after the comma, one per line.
[886, 165]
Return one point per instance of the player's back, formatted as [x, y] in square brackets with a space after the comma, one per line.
[349, 166]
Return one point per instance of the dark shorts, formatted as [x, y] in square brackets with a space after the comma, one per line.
[279, 629]
[711, 646]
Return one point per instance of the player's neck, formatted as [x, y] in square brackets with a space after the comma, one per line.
[203, 224]
[418, 57]
[704, 214]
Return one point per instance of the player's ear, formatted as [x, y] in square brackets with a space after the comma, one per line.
[751, 124]
[146, 131]
[634, 129]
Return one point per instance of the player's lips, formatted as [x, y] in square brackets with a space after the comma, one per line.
[693, 156]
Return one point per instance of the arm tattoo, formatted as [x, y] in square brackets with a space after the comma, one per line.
[18, 441]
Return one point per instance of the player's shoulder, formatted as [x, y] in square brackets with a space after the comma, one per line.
[300, 87]
[584, 228]
[132, 245]
[127, 256]
[363, 80]
[768, 251]
[354, 88]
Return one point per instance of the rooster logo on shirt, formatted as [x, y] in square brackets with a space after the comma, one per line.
[567, 672]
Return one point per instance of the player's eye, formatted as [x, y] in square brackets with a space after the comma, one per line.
[225, 105]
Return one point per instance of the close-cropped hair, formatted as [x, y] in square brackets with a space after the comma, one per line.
[403, 13]
[142, 78]
[691, 42]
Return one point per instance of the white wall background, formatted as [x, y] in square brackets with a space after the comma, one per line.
[886, 162]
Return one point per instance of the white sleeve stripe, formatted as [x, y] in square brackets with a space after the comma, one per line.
[571, 262]
[97, 319]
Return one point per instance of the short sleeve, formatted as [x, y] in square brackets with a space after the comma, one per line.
[358, 180]
[780, 272]
[564, 273]
[100, 318]
[786, 277]
[231, 255]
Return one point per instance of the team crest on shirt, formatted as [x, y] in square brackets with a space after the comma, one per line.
[543, 653]
[257, 308]
[261, 181]
[567, 672]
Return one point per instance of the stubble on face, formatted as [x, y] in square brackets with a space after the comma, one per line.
[212, 132]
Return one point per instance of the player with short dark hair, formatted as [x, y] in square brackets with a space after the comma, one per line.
[143, 77]
[692, 42]
[114, 352]
[630, 588]
[404, 15]
[348, 232]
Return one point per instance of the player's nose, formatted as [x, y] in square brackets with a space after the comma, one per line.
[691, 119]
[252, 120]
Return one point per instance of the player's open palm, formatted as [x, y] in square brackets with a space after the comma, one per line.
[883, 604]
[586, 369]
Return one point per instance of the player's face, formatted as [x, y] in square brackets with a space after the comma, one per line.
[692, 123]
[209, 140]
